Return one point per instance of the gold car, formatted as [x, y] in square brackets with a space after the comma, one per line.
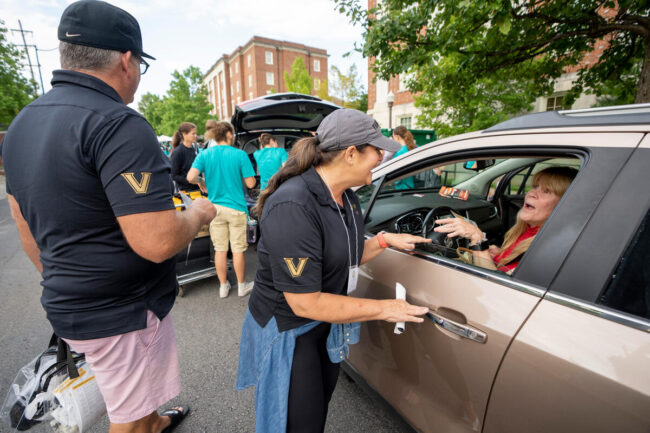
[562, 344]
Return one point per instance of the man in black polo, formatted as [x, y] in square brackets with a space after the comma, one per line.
[91, 194]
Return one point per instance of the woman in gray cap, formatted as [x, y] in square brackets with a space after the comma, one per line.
[300, 320]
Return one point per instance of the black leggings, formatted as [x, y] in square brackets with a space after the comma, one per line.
[313, 378]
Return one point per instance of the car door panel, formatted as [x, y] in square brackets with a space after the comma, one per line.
[436, 379]
[571, 371]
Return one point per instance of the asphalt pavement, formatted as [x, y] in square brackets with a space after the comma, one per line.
[207, 331]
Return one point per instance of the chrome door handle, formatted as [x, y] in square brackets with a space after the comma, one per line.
[457, 328]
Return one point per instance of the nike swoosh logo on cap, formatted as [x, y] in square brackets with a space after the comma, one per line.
[68, 35]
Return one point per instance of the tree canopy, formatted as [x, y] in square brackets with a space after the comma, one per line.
[185, 101]
[16, 90]
[347, 88]
[298, 80]
[475, 63]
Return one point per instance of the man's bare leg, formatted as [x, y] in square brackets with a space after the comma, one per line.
[221, 265]
[152, 423]
[239, 263]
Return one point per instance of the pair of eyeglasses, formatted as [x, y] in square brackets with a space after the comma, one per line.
[144, 66]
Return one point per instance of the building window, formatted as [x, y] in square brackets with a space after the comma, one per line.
[405, 121]
[238, 99]
[237, 67]
[248, 60]
[555, 103]
[269, 78]
[250, 95]
[269, 57]
[316, 65]
[250, 80]
[316, 84]
[404, 79]
[268, 92]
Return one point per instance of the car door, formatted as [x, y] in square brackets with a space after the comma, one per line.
[581, 362]
[438, 374]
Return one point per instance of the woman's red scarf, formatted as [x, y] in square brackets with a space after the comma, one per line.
[529, 233]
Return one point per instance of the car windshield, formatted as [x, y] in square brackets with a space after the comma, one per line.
[456, 175]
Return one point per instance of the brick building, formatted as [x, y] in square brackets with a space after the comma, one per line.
[256, 69]
[404, 111]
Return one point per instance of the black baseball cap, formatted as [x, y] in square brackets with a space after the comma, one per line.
[98, 24]
[347, 127]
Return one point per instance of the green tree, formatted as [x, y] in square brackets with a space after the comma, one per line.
[497, 49]
[185, 101]
[323, 91]
[16, 90]
[347, 88]
[298, 80]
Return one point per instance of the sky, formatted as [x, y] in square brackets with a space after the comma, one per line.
[195, 32]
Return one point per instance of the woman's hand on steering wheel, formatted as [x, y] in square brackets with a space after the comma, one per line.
[404, 241]
[457, 227]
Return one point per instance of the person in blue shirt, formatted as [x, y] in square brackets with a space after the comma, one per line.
[269, 158]
[226, 170]
[404, 137]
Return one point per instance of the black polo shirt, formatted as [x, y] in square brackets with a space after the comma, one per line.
[182, 159]
[303, 247]
[75, 159]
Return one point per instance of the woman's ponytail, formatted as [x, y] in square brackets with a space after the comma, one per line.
[176, 139]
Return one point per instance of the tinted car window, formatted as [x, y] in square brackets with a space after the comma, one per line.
[629, 287]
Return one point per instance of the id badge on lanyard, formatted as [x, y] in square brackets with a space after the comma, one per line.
[353, 278]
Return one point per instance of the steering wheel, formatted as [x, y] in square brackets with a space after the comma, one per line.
[449, 245]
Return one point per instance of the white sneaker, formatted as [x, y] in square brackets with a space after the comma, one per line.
[244, 289]
[224, 289]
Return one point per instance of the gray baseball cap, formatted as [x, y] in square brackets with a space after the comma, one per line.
[347, 127]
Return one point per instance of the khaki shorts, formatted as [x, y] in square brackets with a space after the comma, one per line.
[229, 225]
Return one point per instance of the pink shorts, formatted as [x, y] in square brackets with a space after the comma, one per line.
[136, 372]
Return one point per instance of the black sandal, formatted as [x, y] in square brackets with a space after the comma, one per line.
[176, 416]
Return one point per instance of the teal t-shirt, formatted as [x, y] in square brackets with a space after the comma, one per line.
[269, 160]
[409, 182]
[224, 168]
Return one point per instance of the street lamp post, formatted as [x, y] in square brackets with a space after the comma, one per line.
[390, 98]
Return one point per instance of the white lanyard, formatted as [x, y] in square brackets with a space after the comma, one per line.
[347, 233]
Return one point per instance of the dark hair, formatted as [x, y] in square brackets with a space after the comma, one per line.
[210, 124]
[185, 128]
[265, 139]
[304, 154]
[401, 131]
[220, 131]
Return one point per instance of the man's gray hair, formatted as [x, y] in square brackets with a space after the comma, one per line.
[74, 56]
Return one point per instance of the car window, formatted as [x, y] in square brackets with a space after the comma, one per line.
[629, 287]
[365, 193]
[522, 182]
[412, 203]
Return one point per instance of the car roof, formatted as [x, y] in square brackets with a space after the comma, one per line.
[636, 114]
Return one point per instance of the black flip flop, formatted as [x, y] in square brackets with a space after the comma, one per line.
[176, 416]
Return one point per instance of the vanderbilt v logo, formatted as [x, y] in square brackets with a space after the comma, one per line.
[296, 271]
[139, 187]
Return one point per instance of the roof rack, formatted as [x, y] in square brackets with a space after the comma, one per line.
[635, 114]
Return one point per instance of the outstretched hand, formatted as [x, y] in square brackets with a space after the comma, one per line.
[398, 310]
[404, 241]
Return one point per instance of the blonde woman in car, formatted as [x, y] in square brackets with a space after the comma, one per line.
[549, 185]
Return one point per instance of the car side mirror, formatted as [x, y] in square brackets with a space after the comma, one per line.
[478, 165]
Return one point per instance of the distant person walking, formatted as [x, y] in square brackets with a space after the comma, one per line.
[184, 150]
[269, 158]
[91, 195]
[226, 170]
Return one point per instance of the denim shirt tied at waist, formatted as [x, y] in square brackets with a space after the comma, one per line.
[265, 359]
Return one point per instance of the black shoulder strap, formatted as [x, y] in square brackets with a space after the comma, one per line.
[64, 354]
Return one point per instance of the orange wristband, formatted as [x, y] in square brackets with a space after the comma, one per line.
[381, 240]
